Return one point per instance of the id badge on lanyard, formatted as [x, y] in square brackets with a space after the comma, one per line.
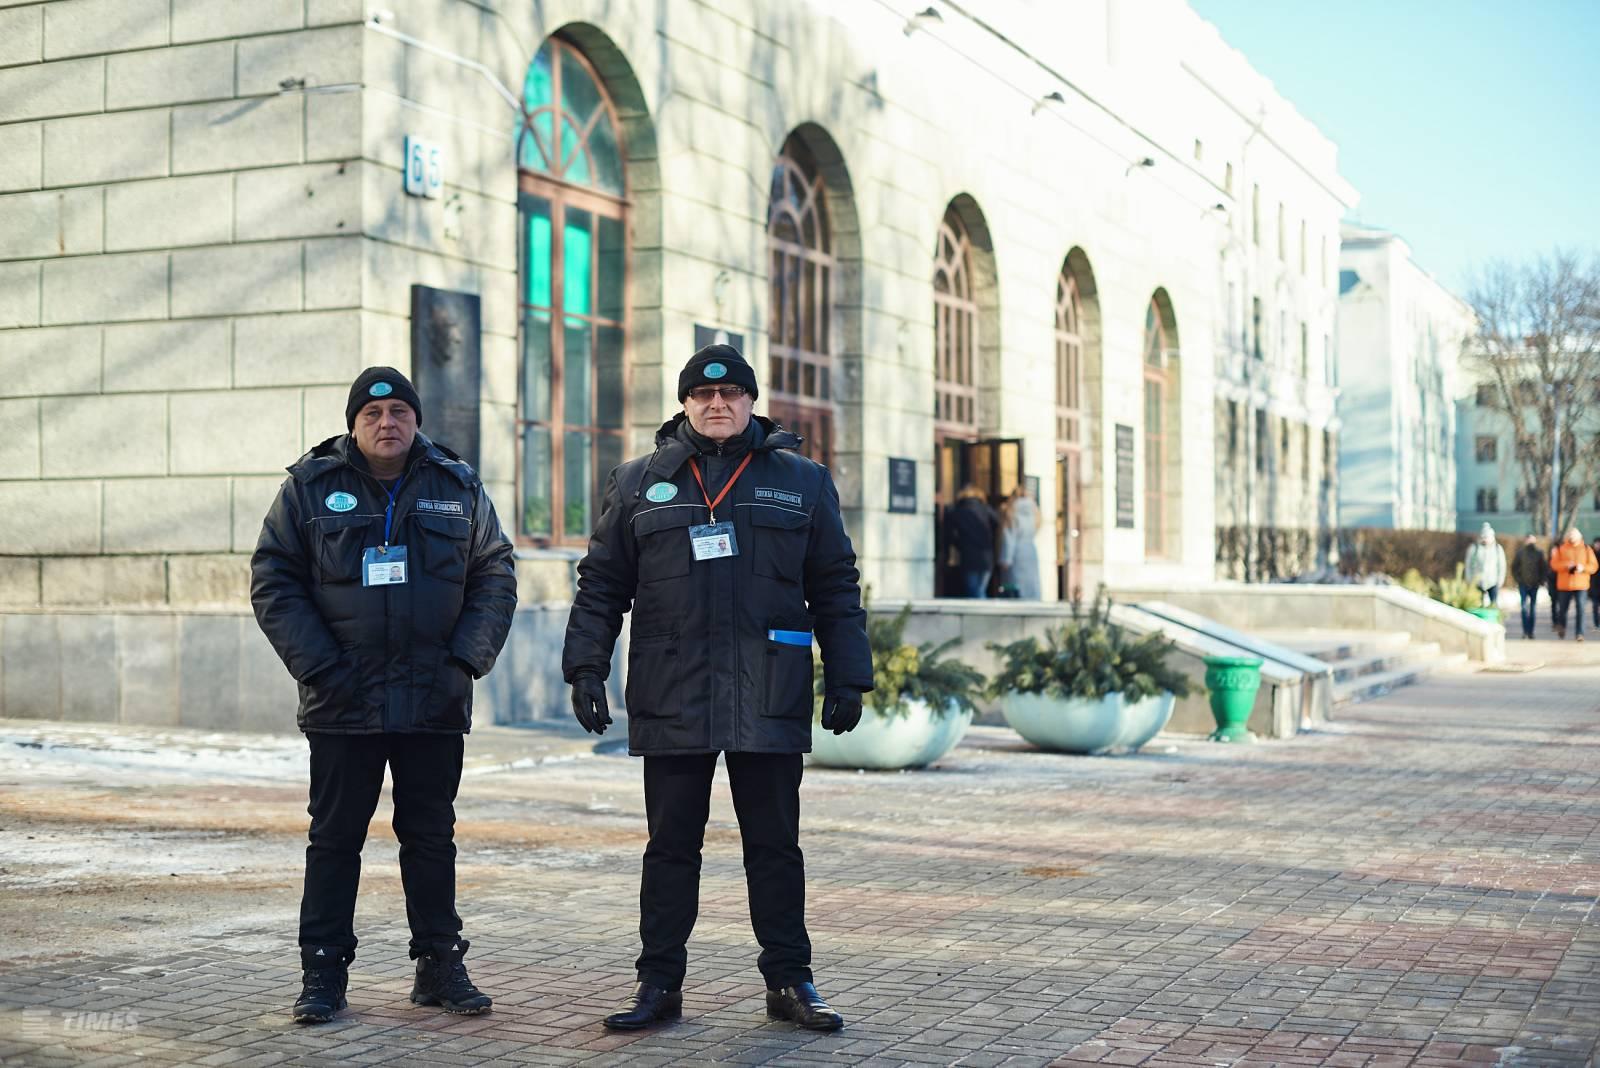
[387, 564]
[714, 540]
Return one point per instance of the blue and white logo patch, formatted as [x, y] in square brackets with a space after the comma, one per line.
[340, 501]
[661, 492]
[715, 370]
[380, 389]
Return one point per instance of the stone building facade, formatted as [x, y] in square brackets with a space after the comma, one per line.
[1400, 352]
[1066, 244]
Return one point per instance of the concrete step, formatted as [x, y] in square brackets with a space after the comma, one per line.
[1393, 659]
[1364, 687]
[1333, 645]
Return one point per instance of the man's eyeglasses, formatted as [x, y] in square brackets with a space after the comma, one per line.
[704, 394]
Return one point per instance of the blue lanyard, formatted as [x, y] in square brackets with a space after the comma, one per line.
[388, 513]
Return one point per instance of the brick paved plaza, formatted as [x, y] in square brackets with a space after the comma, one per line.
[1415, 885]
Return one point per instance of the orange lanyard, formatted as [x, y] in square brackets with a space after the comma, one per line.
[711, 505]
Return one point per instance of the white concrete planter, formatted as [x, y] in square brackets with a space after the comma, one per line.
[913, 739]
[1086, 725]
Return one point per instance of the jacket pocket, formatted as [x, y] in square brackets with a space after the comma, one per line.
[447, 705]
[662, 537]
[652, 687]
[780, 538]
[444, 546]
[339, 543]
[790, 674]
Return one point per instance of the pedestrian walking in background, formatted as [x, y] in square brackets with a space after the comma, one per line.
[1594, 595]
[971, 527]
[1019, 556]
[383, 581]
[1571, 563]
[729, 547]
[1530, 569]
[1486, 565]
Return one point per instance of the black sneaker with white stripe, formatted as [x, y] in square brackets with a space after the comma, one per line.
[324, 977]
[442, 980]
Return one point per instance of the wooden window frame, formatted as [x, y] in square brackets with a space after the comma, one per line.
[955, 332]
[563, 195]
[801, 315]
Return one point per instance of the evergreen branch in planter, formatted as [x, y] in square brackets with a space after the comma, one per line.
[1089, 657]
[916, 672]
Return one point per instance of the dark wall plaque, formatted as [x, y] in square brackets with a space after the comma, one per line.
[711, 335]
[1124, 477]
[902, 485]
[447, 366]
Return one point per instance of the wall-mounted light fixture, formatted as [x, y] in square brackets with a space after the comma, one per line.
[928, 16]
[1052, 99]
[1144, 161]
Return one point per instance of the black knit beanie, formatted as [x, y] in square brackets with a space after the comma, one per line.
[716, 365]
[376, 383]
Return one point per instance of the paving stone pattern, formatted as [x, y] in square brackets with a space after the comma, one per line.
[1415, 884]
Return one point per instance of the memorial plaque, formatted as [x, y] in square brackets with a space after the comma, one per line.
[447, 366]
[1124, 477]
[902, 486]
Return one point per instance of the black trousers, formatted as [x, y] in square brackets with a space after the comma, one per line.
[1565, 600]
[346, 780]
[766, 798]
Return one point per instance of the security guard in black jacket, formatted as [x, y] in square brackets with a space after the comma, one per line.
[729, 547]
[384, 583]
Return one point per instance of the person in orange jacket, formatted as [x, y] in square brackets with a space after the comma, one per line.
[1571, 562]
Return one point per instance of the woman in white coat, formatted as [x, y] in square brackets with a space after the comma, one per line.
[1019, 527]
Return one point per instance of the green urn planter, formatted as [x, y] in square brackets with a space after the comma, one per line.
[913, 736]
[1233, 682]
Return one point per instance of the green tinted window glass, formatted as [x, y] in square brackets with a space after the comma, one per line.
[606, 155]
[608, 378]
[536, 476]
[536, 212]
[536, 366]
[579, 94]
[612, 263]
[574, 159]
[531, 152]
[577, 481]
[538, 90]
[577, 246]
[577, 378]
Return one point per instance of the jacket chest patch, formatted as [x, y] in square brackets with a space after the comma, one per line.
[340, 502]
[661, 492]
[767, 493]
[441, 507]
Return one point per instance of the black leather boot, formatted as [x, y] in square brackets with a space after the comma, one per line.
[324, 977]
[645, 1006]
[802, 1004]
[442, 980]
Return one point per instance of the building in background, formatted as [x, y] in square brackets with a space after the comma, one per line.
[1492, 484]
[1400, 343]
[948, 260]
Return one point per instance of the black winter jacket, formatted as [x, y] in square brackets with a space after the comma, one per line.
[703, 675]
[371, 659]
[971, 526]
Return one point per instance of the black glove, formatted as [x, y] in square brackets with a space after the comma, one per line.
[589, 704]
[841, 711]
[464, 666]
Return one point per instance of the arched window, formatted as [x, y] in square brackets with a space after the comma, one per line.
[1069, 363]
[800, 298]
[571, 196]
[1069, 436]
[1158, 357]
[955, 333]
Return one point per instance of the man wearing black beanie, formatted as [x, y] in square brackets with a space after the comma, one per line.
[729, 546]
[382, 580]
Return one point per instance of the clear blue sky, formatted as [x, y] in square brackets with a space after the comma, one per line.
[1470, 127]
